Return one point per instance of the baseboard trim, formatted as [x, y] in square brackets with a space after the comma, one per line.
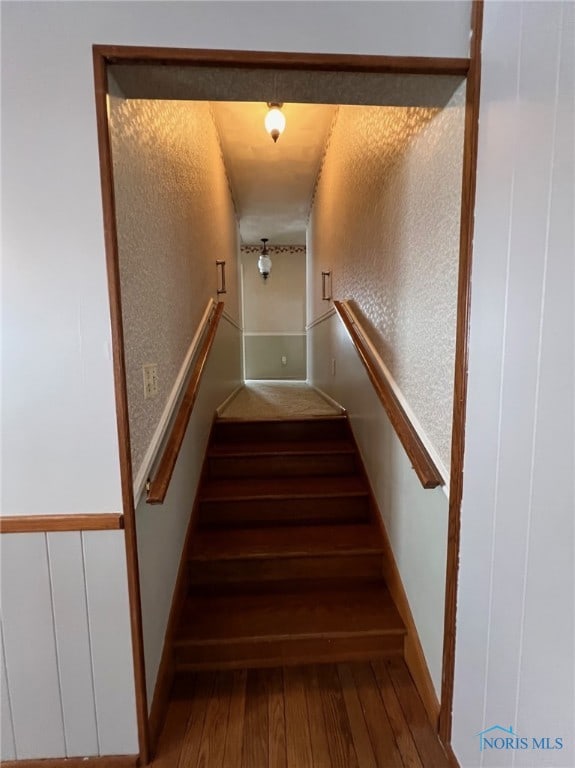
[161, 698]
[173, 398]
[222, 407]
[328, 399]
[452, 760]
[105, 761]
[274, 334]
[166, 669]
[413, 650]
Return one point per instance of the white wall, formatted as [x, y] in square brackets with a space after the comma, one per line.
[60, 450]
[385, 221]
[161, 529]
[275, 305]
[274, 313]
[415, 519]
[515, 636]
[175, 218]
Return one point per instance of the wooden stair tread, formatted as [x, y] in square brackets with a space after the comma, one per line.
[310, 613]
[280, 430]
[283, 488]
[281, 448]
[285, 565]
[285, 541]
[282, 420]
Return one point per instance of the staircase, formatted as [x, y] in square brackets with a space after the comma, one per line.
[285, 562]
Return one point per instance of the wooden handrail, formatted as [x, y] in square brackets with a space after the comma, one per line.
[99, 521]
[423, 464]
[158, 487]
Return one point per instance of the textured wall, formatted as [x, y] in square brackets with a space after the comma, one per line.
[175, 218]
[515, 640]
[385, 220]
[274, 313]
[415, 519]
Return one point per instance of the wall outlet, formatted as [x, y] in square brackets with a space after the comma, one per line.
[150, 372]
[333, 366]
[284, 360]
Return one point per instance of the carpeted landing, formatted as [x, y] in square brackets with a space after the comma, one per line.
[278, 400]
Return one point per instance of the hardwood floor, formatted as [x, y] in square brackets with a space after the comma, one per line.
[353, 715]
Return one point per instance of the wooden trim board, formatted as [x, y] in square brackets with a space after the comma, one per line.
[121, 394]
[461, 357]
[106, 521]
[452, 760]
[413, 650]
[110, 761]
[165, 676]
[326, 62]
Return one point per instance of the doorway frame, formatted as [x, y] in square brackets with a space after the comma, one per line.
[468, 68]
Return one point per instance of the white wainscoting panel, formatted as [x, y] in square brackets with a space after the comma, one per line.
[67, 683]
[7, 742]
[30, 647]
[73, 642]
[109, 616]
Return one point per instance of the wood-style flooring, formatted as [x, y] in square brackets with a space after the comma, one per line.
[353, 715]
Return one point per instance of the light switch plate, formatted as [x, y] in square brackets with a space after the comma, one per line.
[150, 372]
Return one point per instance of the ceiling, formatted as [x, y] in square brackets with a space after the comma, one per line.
[272, 184]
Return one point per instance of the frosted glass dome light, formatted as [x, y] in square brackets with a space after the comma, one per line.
[275, 121]
[264, 261]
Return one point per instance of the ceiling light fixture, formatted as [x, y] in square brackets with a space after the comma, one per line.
[275, 120]
[264, 261]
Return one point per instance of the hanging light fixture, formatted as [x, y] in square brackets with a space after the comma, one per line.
[275, 120]
[264, 261]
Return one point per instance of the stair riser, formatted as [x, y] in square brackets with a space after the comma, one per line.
[282, 466]
[266, 653]
[238, 513]
[365, 567]
[312, 429]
